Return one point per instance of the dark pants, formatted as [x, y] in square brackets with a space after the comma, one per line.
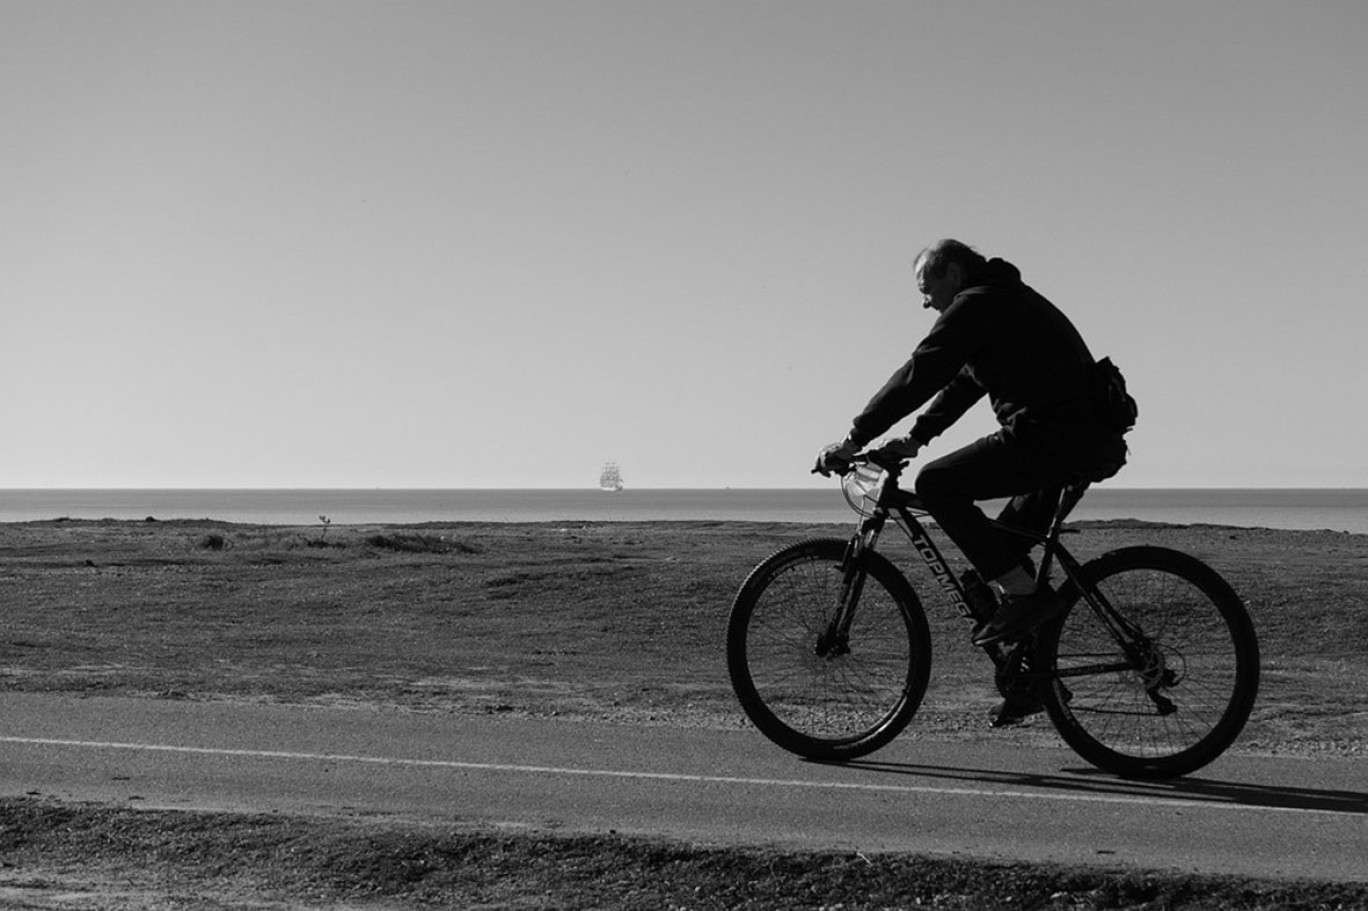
[1031, 466]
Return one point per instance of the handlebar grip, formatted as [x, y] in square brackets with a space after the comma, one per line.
[842, 469]
[888, 463]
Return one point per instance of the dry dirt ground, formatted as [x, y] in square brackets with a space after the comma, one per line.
[613, 621]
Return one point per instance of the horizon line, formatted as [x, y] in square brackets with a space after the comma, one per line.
[407, 489]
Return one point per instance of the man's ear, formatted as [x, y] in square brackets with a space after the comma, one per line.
[954, 273]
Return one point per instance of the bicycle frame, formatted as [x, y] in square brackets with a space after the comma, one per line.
[907, 512]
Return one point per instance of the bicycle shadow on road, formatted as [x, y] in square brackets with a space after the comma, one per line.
[1095, 782]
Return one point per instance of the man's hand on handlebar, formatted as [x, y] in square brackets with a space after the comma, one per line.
[898, 448]
[837, 457]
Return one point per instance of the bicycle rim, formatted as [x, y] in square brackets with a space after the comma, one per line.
[814, 701]
[1179, 692]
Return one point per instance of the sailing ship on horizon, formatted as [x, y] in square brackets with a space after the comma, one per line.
[611, 478]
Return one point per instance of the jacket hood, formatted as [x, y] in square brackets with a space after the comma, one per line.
[997, 272]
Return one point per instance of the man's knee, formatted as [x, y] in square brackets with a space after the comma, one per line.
[936, 483]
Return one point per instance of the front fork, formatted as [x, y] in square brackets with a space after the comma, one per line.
[835, 639]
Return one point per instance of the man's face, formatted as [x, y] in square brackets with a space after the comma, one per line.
[938, 291]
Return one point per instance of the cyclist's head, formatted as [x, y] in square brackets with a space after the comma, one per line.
[943, 270]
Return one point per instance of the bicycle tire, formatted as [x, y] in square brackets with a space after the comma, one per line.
[831, 708]
[1187, 693]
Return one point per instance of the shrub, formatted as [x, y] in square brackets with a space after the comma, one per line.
[413, 543]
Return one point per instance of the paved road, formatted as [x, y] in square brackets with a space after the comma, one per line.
[1251, 815]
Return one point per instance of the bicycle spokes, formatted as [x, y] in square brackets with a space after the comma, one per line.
[1160, 664]
[828, 661]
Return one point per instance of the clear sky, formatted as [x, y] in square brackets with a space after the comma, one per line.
[496, 244]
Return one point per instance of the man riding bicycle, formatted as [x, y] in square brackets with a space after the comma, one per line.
[999, 337]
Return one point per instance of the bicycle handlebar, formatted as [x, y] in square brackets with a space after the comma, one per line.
[890, 464]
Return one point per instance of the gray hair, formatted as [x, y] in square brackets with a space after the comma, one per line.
[936, 258]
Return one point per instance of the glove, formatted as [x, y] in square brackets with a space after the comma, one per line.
[899, 448]
[835, 457]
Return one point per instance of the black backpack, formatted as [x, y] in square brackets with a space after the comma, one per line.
[1114, 406]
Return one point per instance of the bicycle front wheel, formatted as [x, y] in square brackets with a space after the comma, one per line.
[812, 686]
[1160, 679]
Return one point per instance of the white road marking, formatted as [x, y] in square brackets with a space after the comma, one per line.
[663, 776]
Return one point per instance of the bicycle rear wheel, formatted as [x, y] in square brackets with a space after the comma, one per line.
[806, 687]
[1161, 682]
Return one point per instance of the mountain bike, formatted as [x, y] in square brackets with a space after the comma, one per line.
[1151, 672]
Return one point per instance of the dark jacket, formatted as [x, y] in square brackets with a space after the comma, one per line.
[998, 337]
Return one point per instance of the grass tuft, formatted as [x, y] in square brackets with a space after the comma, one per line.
[214, 541]
[417, 543]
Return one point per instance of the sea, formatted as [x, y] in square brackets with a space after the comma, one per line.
[1332, 509]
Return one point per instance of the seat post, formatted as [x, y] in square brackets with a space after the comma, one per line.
[1069, 496]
